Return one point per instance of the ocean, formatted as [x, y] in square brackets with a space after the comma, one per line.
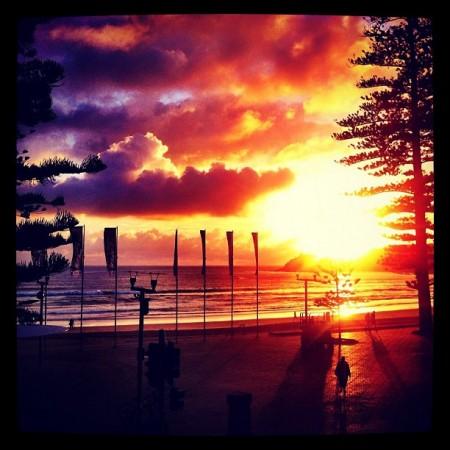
[280, 295]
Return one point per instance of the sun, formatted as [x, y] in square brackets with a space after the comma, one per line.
[321, 219]
[347, 310]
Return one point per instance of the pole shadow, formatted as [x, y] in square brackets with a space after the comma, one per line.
[297, 406]
[409, 408]
[340, 414]
[385, 362]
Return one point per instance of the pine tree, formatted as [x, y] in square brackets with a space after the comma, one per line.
[393, 129]
[35, 80]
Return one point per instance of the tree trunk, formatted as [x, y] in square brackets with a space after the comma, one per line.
[422, 275]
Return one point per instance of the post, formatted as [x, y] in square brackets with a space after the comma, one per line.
[45, 299]
[232, 301]
[115, 292]
[204, 305]
[82, 301]
[176, 307]
[306, 299]
[339, 325]
[140, 353]
[82, 286]
[231, 272]
[255, 244]
[175, 272]
[115, 311]
[41, 303]
[239, 413]
[203, 238]
[257, 301]
[339, 310]
[140, 356]
[143, 309]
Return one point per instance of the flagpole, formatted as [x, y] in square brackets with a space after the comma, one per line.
[82, 284]
[45, 298]
[204, 304]
[231, 272]
[232, 301]
[203, 237]
[115, 293]
[255, 243]
[176, 307]
[257, 299]
[175, 272]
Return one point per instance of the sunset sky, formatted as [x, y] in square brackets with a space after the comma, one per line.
[216, 122]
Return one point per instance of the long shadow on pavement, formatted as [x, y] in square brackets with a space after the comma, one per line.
[383, 358]
[297, 406]
[409, 408]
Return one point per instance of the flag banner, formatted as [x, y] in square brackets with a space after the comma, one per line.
[203, 236]
[230, 252]
[39, 257]
[175, 255]
[255, 243]
[110, 244]
[76, 236]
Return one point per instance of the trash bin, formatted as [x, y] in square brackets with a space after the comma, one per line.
[239, 415]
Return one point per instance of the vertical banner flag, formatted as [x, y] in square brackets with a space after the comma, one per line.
[230, 251]
[110, 244]
[76, 235]
[175, 255]
[203, 236]
[255, 243]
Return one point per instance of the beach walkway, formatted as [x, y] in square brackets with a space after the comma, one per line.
[92, 387]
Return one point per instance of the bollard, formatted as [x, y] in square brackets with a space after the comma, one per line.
[239, 416]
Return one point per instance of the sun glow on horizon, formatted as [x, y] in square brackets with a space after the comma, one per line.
[348, 310]
[321, 219]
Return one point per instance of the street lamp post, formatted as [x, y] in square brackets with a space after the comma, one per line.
[305, 281]
[143, 310]
[344, 288]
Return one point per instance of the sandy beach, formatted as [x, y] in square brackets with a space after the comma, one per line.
[89, 386]
[397, 318]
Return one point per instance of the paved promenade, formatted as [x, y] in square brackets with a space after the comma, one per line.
[92, 387]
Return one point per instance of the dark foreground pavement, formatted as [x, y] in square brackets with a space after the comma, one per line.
[91, 388]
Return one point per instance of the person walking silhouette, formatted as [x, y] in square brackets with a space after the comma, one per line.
[342, 372]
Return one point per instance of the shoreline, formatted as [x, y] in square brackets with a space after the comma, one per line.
[390, 319]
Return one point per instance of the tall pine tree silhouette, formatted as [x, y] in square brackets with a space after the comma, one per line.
[393, 130]
[36, 79]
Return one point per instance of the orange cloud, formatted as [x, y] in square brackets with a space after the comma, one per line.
[212, 87]
[141, 181]
[107, 37]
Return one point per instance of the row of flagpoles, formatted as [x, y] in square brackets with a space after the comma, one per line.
[229, 235]
[110, 239]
